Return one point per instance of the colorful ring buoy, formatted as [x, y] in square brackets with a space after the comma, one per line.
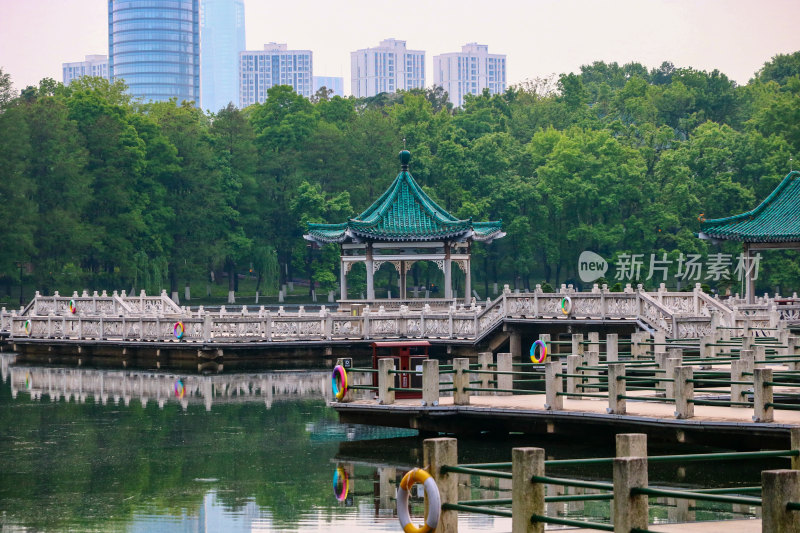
[566, 305]
[540, 354]
[178, 330]
[340, 474]
[339, 382]
[72, 307]
[28, 328]
[28, 381]
[180, 389]
[431, 494]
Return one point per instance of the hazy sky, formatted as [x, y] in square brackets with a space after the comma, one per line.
[539, 37]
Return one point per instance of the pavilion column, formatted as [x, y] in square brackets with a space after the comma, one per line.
[343, 278]
[402, 280]
[749, 272]
[468, 280]
[448, 285]
[370, 274]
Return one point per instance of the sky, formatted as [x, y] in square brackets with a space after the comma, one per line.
[539, 37]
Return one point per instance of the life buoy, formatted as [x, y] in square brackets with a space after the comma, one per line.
[28, 381]
[540, 354]
[28, 328]
[431, 494]
[566, 305]
[178, 330]
[72, 307]
[180, 389]
[340, 474]
[339, 382]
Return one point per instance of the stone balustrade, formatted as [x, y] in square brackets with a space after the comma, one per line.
[121, 317]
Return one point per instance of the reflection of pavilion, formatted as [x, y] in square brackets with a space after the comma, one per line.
[402, 227]
[78, 384]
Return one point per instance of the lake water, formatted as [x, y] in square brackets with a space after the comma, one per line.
[153, 451]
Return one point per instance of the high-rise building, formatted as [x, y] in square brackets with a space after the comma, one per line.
[333, 83]
[154, 46]
[275, 65]
[222, 38]
[388, 68]
[470, 72]
[93, 65]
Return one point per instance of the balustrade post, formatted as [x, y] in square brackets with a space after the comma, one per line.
[385, 381]
[573, 361]
[206, 327]
[527, 496]
[430, 382]
[437, 453]
[461, 381]
[485, 359]
[684, 392]
[616, 387]
[780, 487]
[612, 347]
[553, 385]
[759, 355]
[365, 319]
[794, 434]
[762, 395]
[629, 510]
[504, 381]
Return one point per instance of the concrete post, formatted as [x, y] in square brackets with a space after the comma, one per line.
[515, 343]
[748, 357]
[706, 350]
[594, 341]
[794, 434]
[385, 380]
[527, 498]
[762, 395]
[684, 392]
[386, 489]
[485, 359]
[675, 353]
[616, 388]
[669, 386]
[504, 381]
[659, 341]
[430, 382]
[631, 445]
[737, 391]
[545, 337]
[747, 341]
[793, 350]
[577, 344]
[636, 348]
[573, 361]
[461, 381]
[612, 347]
[437, 453]
[779, 487]
[553, 385]
[629, 511]
[593, 359]
[760, 355]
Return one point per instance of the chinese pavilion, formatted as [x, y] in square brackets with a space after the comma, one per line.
[773, 225]
[402, 227]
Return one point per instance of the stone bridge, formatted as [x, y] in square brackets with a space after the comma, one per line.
[123, 318]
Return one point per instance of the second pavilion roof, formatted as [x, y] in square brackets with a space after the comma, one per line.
[404, 213]
[776, 219]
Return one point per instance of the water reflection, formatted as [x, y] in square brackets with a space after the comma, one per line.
[119, 450]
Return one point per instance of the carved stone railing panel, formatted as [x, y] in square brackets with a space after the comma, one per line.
[679, 303]
[655, 314]
[789, 313]
[437, 327]
[586, 306]
[384, 327]
[620, 305]
[348, 328]
[464, 328]
[521, 306]
[693, 328]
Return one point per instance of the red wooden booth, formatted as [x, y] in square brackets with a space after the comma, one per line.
[407, 355]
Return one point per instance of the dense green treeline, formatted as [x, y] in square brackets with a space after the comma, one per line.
[102, 192]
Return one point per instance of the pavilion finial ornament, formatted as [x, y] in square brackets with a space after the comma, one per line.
[405, 157]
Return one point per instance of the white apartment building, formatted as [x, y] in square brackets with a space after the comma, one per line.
[470, 72]
[389, 67]
[275, 65]
[332, 83]
[93, 65]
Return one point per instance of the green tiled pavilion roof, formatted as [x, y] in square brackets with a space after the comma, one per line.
[777, 219]
[404, 213]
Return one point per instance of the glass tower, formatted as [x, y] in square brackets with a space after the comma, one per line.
[154, 46]
[222, 33]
